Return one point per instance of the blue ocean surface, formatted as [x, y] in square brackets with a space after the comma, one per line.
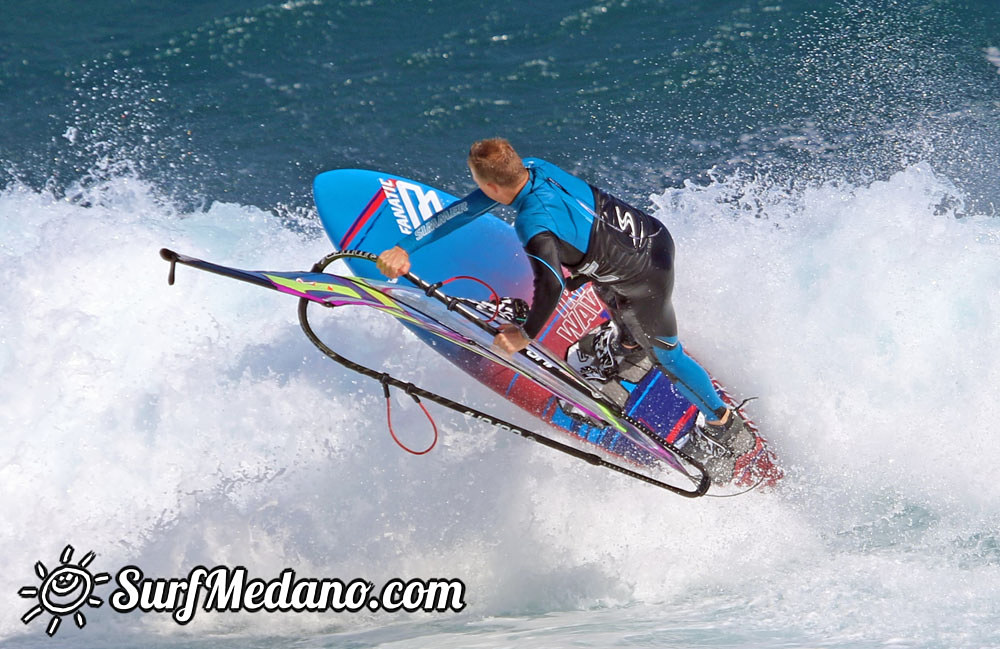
[828, 169]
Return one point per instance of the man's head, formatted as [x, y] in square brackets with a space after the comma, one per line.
[497, 169]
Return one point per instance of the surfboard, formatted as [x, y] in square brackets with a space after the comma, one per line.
[372, 211]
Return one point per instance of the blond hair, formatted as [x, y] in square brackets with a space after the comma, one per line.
[495, 161]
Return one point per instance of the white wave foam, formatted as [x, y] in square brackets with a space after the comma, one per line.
[863, 313]
[172, 426]
[993, 56]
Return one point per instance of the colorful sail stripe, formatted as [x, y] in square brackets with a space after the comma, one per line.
[335, 290]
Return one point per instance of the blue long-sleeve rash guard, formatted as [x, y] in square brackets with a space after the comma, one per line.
[555, 220]
[565, 207]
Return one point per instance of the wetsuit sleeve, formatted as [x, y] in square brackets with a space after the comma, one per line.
[543, 253]
[448, 220]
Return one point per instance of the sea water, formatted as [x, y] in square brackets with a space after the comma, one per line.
[828, 171]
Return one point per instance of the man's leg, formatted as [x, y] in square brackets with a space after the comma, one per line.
[644, 306]
[658, 328]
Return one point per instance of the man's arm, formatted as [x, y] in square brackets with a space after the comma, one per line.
[396, 260]
[543, 254]
[448, 220]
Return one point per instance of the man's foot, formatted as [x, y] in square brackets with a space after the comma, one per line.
[632, 354]
[606, 356]
[732, 433]
[634, 364]
[717, 460]
[718, 445]
[596, 349]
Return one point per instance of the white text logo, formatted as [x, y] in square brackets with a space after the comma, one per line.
[411, 204]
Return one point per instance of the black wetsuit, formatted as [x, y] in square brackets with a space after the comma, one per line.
[626, 253]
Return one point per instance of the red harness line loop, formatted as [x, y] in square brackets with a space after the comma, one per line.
[494, 298]
[388, 417]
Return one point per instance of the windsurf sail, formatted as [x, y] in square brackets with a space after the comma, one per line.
[452, 321]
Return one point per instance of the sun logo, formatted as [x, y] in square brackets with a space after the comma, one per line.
[64, 591]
